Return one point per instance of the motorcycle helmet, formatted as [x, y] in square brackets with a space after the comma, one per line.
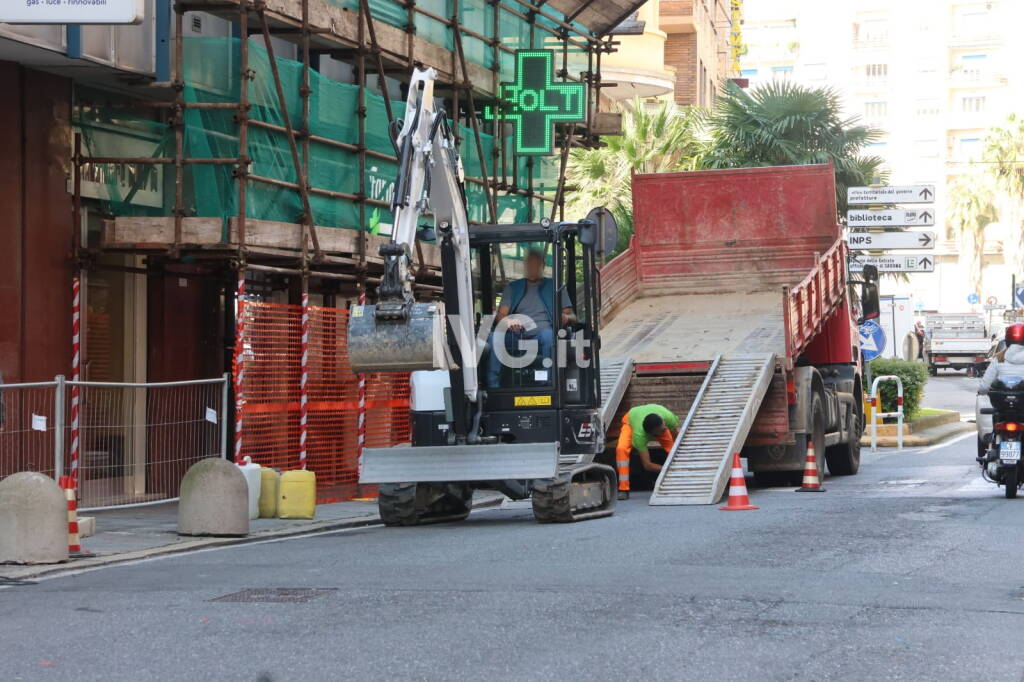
[1015, 334]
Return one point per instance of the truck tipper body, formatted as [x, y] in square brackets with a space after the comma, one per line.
[732, 304]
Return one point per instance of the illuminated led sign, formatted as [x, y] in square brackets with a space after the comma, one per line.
[534, 102]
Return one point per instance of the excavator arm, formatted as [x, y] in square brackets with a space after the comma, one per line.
[397, 334]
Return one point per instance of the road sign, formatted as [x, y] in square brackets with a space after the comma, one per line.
[973, 299]
[991, 300]
[872, 340]
[896, 217]
[68, 12]
[867, 241]
[535, 101]
[895, 263]
[897, 194]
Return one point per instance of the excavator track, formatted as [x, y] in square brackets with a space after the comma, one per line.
[417, 504]
[584, 493]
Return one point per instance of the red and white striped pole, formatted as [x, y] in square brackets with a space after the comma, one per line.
[76, 374]
[239, 361]
[361, 422]
[303, 382]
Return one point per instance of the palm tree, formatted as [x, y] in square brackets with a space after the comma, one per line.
[1004, 150]
[660, 139]
[784, 123]
[969, 210]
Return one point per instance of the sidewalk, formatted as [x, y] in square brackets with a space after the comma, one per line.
[142, 532]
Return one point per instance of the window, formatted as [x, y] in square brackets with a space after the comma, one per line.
[926, 149]
[815, 72]
[927, 107]
[873, 30]
[969, 147]
[971, 66]
[782, 73]
[972, 105]
[972, 20]
[876, 109]
[877, 71]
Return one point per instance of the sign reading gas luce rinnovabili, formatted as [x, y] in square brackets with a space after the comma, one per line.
[72, 11]
[906, 194]
[535, 101]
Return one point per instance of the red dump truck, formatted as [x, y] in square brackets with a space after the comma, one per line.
[732, 307]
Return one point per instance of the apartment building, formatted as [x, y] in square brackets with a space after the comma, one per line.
[934, 77]
[675, 48]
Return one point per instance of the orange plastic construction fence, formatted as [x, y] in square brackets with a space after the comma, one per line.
[271, 354]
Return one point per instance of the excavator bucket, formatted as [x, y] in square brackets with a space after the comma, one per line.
[396, 344]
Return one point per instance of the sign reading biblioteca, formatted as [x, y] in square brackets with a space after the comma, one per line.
[535, 101]
[72, 11]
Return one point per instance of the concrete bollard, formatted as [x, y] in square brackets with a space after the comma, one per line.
[214, 499]
[33, 520]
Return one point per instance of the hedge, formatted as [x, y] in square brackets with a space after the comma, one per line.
[914, 376]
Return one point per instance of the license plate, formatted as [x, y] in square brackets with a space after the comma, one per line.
[1009, 451]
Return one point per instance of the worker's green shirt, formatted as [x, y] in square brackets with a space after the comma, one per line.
[636, 418]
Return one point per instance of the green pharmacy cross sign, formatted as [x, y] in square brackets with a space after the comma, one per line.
[535, 102]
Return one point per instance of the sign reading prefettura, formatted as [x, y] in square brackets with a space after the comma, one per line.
[72, 11]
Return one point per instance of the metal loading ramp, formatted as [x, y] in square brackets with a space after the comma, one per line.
[697, 469]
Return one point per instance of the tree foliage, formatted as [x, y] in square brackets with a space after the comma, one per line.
[970, 209]
[784, 123]
[654, 140]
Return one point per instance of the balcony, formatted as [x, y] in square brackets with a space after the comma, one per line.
[976, 78]
[676, 16]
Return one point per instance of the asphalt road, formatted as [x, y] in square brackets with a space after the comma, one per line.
[951, 391]
[907, 571]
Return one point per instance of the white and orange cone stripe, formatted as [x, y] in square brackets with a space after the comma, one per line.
[738, 498]
[811, 482]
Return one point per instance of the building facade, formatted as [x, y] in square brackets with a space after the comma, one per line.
[933, 77]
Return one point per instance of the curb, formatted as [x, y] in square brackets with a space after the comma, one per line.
[17, 572]
[926, 437]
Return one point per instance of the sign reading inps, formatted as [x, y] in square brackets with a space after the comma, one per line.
[534, 102]
[72, 11]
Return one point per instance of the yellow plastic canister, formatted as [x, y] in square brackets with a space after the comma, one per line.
[297, 498]
[269, 480]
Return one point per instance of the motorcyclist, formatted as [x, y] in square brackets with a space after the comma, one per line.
[1009, 362]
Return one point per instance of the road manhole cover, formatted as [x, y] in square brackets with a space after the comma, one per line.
[277, 595]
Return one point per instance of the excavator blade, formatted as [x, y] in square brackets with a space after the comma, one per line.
[396, 344]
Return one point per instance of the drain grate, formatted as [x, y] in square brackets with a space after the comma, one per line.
[276, 595]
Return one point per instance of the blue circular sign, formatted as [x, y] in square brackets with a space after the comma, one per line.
[872, 340]
[973, 299]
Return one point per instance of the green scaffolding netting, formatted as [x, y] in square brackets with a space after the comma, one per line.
[212, 75]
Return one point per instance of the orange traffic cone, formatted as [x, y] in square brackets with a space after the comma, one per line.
[738, 500]
[811, 483]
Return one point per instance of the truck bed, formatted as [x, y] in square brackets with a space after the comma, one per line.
[696, 327]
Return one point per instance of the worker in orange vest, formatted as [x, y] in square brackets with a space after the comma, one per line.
[641, 425]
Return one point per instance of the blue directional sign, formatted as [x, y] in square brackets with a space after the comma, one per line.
[872, 340]
[973, 299]
[1019, 295]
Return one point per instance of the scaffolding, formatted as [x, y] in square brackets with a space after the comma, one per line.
[367, 34]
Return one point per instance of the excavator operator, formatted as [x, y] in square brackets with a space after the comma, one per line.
[532, 297]
[641, 425]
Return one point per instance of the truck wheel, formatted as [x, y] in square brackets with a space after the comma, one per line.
[818, 435]
[844, 458]
[933, 371]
